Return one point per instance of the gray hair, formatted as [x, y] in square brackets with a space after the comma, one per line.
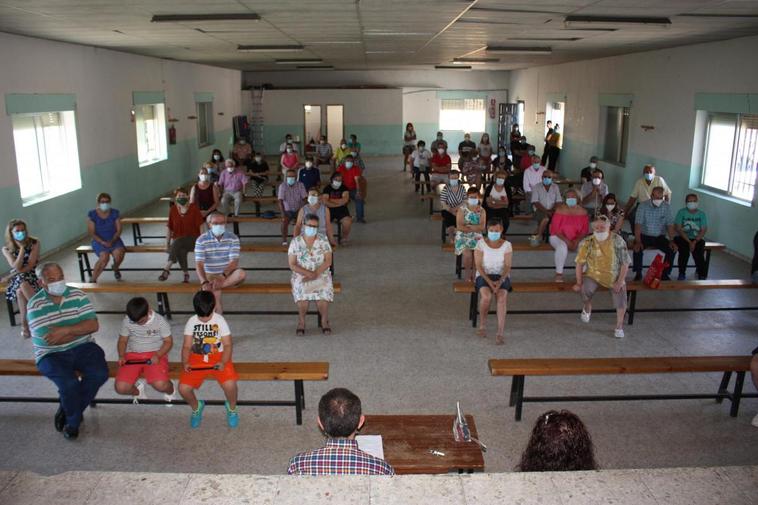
[44, 267]
[212, 214]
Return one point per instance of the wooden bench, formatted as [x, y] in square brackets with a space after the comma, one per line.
[248, 371]
[524, 246]
[162, 290]
[520, 368]
[632, 289]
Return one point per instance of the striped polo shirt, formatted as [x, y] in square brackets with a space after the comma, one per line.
[43, 312]
[216, 253]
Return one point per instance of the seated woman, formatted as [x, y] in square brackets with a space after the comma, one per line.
[216, 165]
[497, 199]
[185, 224]
[559, 443]
[21, 251]
[485, 150]
[104, 226]
[205, 193]
[613, 212]
[340, 154]
[289, 160]
[470, 222]
[310, 257]
[493, 267]
[469, 168]
[452, 197]
[318, 208]
[257, 172]
[570, 224]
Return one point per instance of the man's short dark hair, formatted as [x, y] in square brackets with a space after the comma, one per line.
[137, 308]
[204, 302]
[340, 412]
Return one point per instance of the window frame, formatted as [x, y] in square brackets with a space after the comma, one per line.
[464, 100]
[208, 116]
[161, 134]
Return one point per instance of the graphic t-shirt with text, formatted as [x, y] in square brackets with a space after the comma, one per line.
[206, 336]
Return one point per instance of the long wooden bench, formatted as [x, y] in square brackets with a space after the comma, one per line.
[632, 289]
[85, 267]
[162, 290]
[520, 368]
[248, 371]
[523, 246]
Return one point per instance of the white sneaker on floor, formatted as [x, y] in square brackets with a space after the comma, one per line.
[618, 333]
[170, 398]
[755, 421]
[140, 385]
[585, 317]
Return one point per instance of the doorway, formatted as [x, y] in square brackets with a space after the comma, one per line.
[335, 125]
[554, 112]
[312, 124]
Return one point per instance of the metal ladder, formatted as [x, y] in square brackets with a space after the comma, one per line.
[256, 121]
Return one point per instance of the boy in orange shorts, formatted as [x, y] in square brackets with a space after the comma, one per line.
[207, 353]
[143, 345]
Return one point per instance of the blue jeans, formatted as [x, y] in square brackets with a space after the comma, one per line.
[358, 204]
[76, 394]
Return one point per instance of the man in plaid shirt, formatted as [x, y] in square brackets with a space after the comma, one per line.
[340, 418]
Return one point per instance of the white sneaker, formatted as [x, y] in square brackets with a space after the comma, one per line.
[618, 333]
[140, 385]
[585, 317]
[755, 421]
[170, 398]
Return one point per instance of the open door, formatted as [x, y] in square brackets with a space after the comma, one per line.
[335, 125]
[312, 126]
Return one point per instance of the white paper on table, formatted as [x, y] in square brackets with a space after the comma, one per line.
[371, 444]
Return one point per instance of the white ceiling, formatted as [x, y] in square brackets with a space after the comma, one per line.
[375, 34]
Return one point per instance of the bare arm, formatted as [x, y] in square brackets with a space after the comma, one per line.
[226, 354]
[507, 265]
[186, 351]
[292, 260]
[58, 335]
[121, 347]
[329, 227]
[298, 223]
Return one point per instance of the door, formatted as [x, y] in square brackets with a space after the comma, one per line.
[312, 124]
[554, 112]
[335, 125]
[507, 117]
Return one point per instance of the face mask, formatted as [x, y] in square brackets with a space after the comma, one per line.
[336, 184]
[441, 151]
[218, 229]
[288, 140]
[354, 154]
[56, 288]
[499, 181]
[308, 164]
[343, 146]
[571, 202]
[473, 202]
[312, 199]
[690, 206]
[230, 169]
[182, 201]
[596, 181]
[536, 166]
[649, 176]
[657, 202]
[217, 157]
[322, 142]
[348, 164]
[203, 177]
[610, 206]
[289, 150]
[19, 235]
[105, 207]
[211, 170]
[601, 235]
[493, 235]
[593, 164]
[310, 231]
[291, 181]
[453, 182]
[258, 159]
[243, 142]
[531, 153]
[547, 181]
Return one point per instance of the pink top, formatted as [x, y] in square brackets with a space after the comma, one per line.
[572, 226]
[289, 160]
[232, 182]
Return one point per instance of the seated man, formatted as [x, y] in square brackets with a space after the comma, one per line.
[531, 177]
[288, 140]
[324, 152]
[439, 141]
[309, 175]
[291, 197]
[440, 166]
[232, 185]
[339, 418]
[336, 197]
[217, 254]
[544, 196]
[452, 197]
[467, 146]
[643, 190]
[654, 227]
[586, 174]
[62, 322]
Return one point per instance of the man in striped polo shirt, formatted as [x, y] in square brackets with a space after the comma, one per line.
[217, 254]
[62, 321]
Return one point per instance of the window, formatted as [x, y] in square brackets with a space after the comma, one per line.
[616, 137]
[204, 124]
[731, 154]
[520, 113]
[463, 114]
[151, 133]
[47, 155]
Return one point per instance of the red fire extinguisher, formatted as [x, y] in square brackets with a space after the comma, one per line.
[172, 135]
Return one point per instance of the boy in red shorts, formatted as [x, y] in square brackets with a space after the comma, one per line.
[143, 345]
[207, 353]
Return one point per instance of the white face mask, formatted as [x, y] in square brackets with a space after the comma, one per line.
[343, 146]
[289, 150]
[593, 164]
[218, 229]
[308, 164]
[230, 169]
[499, 181]
[203, 177]
[596, 181]
[336, 184]
[473, 202]
[348, 164]
[657, 202]
[56, 288]
[601, 235]
[312, 199]
[610, 206]
[441, 151]
[258, 159]
[217, 157]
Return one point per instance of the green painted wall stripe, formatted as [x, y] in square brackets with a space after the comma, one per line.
[615, 100]
[737, 103]
[203, 96]
[148, 97]
[27, 103]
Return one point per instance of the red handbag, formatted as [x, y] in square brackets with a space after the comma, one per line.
[655, 272]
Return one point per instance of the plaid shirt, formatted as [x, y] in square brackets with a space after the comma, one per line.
[339, 456]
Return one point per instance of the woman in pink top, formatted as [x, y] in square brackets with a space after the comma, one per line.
[569, 225]
[289, 160]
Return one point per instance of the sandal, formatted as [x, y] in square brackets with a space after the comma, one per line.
[117, 274]
[163, 276]
[186, 278]
[481, 332]
[326, 330]
[499, 340]
[300, 332]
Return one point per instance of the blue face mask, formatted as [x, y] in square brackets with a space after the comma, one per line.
[571, 202]
[493, 236]
[649, 176]
[19, 235]
[453, 182]
[536, 166]
[310, 231]
[218, 229]
[547, 181]
[105, 207]
[291, 181]
[690, 206]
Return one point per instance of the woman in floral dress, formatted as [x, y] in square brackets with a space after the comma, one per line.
[21, 251]
[470, 223]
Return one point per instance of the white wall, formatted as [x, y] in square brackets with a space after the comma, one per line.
[664, 84]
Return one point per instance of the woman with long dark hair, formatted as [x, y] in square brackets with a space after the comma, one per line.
[559, 443]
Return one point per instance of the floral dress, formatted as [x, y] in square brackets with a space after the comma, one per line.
[468, 239]
[311, 258]
[16, 280]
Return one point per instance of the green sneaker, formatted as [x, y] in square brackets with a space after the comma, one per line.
[232, 418]
[197, 415]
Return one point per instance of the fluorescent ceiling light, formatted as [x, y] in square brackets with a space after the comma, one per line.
[351, 42]
[315, 67]
[698, 15]
[476, 61]
[551, 39]
[299, 61]
[593, 21]
[488, 22]
[390, 52]
[452, 67]
[179, 18]
[269, 49]
[519, 50]
[398, 34]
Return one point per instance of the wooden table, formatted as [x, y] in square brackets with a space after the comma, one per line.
[407, 440]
